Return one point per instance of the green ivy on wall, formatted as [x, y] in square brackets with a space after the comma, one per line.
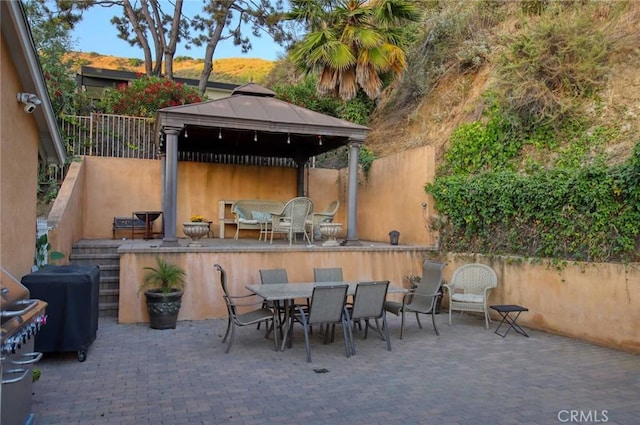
[591, 213]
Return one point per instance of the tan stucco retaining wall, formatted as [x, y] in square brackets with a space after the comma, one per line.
[390, 197]
[203, 295]
[597, 302]
[66, 216]
[19, 142]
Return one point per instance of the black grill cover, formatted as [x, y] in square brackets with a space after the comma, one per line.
[72, 314]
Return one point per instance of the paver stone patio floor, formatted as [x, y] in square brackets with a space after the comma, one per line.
[466, 376]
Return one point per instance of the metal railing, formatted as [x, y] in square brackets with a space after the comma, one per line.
[125, 136]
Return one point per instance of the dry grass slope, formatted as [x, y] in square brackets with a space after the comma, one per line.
[232, 70]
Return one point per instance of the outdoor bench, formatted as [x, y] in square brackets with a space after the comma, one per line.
[252, 213]
[133, 225]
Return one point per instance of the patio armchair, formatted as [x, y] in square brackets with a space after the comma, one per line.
[469, 290]
[324, 216]
[246, 318]
[421, 299]
[368, 304]
[327, 308]
[292, 219]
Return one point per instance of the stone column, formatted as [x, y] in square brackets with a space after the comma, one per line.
[171, 187]
[352, 211]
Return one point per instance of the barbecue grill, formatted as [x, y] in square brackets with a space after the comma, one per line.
[21, 319]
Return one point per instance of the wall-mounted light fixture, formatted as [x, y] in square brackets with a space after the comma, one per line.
[30, 100]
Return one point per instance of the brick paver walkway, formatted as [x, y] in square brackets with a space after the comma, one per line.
[465, 376]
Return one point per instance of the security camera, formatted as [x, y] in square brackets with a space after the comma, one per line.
[30, 100]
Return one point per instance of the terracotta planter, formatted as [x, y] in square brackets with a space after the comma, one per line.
[163, 308]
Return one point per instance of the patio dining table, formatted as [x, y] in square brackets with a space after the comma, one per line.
[288, 292]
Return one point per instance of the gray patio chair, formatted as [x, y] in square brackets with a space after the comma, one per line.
[269, 276]
[327, 274]
[422, 299]
[469, 290]
[247, 318]
[368, 304]
[292, 219]
[327, 307]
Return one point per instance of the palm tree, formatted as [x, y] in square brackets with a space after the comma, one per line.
[352, 43]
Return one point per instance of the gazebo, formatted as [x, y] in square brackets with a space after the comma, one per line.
[251, 121]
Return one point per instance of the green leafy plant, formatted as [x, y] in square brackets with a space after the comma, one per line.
[44, 253]
[165, 276]
[589, 213]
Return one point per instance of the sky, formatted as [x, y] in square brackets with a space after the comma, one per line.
[95, 33]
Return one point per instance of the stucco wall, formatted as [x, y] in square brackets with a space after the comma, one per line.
[595, 302]
[390, 197]
[598, 302]
[117, 187]
[19, 143]
[66, 216]
[203, 294]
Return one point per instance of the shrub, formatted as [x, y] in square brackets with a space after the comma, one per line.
[585, 214]
[146, 95]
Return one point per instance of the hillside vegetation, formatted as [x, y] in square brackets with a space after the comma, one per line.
[232, 70]
[533, 107]
[545, 64]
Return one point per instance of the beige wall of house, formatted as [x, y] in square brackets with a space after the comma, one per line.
[19, 141]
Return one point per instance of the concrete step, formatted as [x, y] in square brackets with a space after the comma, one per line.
[103, 254]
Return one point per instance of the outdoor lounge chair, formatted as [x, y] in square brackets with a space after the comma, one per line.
[247, 318]
[469, 290]
[292, 219]
[423, 298]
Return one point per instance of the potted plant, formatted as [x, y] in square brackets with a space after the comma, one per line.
[196, 228]
[163, 285]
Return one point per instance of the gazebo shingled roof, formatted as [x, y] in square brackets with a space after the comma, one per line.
[253, 122]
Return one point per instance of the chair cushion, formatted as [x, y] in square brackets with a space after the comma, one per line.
[467, 298]
[261, 215]
[245, 221]
[240, 213]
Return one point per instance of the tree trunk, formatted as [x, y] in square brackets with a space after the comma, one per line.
[208, 57]
[142, 39]
[170, 48]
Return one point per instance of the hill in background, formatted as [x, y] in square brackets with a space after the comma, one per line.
[232, 70]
